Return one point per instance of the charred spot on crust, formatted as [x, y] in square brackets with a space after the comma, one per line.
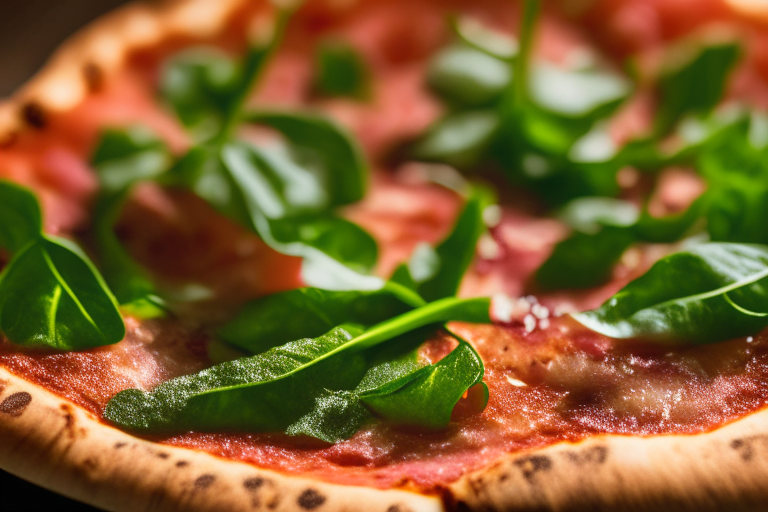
[593, 455]
[34, 115]
[182, 463]
[16, 403]
[253, 484]
[398, 508]
[163, 455]
[310, 499]
[93, 76]
[746, 445]
[120, 445]
[529, 466]
[204, 481]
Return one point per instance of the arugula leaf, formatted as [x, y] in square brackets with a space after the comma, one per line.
[478, 37]
[459, 139]
[696, 85]
[604, 229]
[126, 156]
[590, 214]
[321, 140]
[427, 397]
[51, 295]
[584, 260]
[436, 274]
[310, 312]
[400, 391]
[340, 71]
[336, 252]
[265, 392]
[467, 77]
[689, 297]
[273, 389]
[197, 84]
[20, 219]
[539, 122]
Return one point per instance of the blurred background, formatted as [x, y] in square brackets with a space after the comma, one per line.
[29, 31]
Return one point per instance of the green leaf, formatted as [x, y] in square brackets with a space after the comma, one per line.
[459, 139]
[202, 171]
[52, 296]
[271, 390]
[437, 273]
[325, 145]
[479, 37]
[265, 392]
[589, 214]
[426, 397]
[310, 312]
[605, 228]
[127, 156]
[198, 85]
[671, 228]
[695, 85]
[467, 77]
[399, 391]
[341, 71]
[686, 298]
[336, 253]
[584, 260]
[207, 88]
[577, 93]
[20, 218]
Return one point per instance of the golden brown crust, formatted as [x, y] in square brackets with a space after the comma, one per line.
[103, 46]
[725, 469]
[59, 445]
[56, 444]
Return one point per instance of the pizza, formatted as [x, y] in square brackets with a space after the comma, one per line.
[403, 255]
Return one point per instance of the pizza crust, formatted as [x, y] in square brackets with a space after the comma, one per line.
[725, 469]
[100, 50]
[57, 444]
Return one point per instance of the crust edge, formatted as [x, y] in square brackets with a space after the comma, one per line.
[61, 446]
[723, 469]
[104, 44]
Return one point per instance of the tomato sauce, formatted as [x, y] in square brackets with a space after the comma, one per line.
[550, 379]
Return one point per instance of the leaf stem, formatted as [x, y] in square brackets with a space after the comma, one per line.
[521, 64]
[253, 67]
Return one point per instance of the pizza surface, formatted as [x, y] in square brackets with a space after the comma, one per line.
[575, 403]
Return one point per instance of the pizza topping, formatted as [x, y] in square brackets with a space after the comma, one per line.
[719, 297]
[51, 295]
[285, 193]
[269, 390]
[327, 359]
[341, 71]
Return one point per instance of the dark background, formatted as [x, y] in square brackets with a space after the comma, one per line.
[29, 31]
